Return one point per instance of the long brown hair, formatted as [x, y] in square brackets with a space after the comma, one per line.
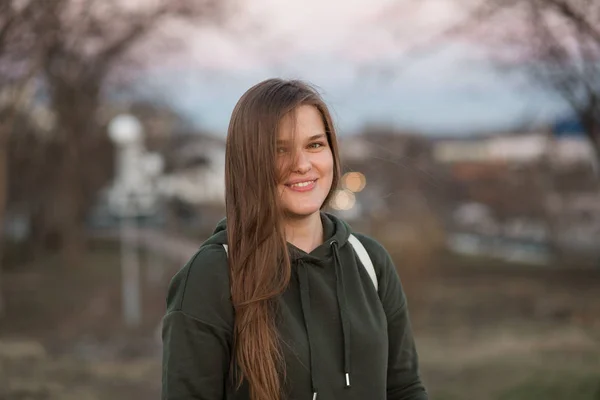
[259, 263]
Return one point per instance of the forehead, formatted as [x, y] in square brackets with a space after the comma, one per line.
[306, 121]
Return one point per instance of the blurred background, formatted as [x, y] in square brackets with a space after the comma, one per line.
[470, 139]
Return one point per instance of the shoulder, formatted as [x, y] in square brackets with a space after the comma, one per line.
[201, 287]
[390, 288]
[376, 250]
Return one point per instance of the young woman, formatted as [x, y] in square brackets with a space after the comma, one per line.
[278, 303]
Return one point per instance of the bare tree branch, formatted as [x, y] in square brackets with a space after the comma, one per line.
[558, 45]
[116, 48]
[578, 18]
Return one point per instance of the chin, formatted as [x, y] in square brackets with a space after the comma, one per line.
[303, 211]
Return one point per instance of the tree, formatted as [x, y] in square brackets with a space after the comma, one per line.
[84, 42]
[19, 63]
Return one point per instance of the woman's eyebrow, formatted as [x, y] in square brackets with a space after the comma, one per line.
[314, 137]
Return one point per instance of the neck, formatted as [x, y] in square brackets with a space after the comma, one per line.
[305, 233]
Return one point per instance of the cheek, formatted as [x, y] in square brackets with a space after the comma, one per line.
[326, 166]
[327, 163]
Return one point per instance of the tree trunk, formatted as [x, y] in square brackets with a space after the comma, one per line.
[3, 202]
[76, 105]
[72, 233]
[595, 139]
[590, 118]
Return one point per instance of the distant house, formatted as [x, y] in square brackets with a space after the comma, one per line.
[197, 172]
[500, 148]
[522, 148]
[570, 150]
[571, 144]
[461, 150]
[191, 184]
[579, 215]
[563, 150]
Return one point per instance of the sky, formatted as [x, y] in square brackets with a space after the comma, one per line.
[379, 62]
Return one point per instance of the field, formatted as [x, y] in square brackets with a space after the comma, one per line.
[484, 331]
[510, 333]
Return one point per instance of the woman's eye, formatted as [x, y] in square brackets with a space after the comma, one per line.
[281, 150]
[316, 145]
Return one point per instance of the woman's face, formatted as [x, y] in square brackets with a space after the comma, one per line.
[308, 177]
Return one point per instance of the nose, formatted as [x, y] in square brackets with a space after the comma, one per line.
[302, 163]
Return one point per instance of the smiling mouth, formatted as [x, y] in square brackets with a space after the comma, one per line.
[302, 184]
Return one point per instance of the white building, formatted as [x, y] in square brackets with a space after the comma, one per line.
[526, 148]
[564, 151]
[523, 148]
[200, 177]
[567, 151]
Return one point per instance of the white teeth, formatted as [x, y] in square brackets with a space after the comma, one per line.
[302, 184]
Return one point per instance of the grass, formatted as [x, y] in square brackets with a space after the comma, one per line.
[555, 387]
[525, 378]
[53, 303]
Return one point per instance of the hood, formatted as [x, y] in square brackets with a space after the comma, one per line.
[219, 235]
[335, 231]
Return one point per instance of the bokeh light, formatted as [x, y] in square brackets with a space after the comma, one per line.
[343, 200]
[354, 181]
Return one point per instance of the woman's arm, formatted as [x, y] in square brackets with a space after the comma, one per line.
[404, 382]
[403, 379]
[197, 330]
[195, 359]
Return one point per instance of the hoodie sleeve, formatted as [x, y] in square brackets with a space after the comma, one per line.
[197, 329]
[403, 381]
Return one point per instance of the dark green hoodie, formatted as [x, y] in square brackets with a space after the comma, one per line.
[341, 338]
